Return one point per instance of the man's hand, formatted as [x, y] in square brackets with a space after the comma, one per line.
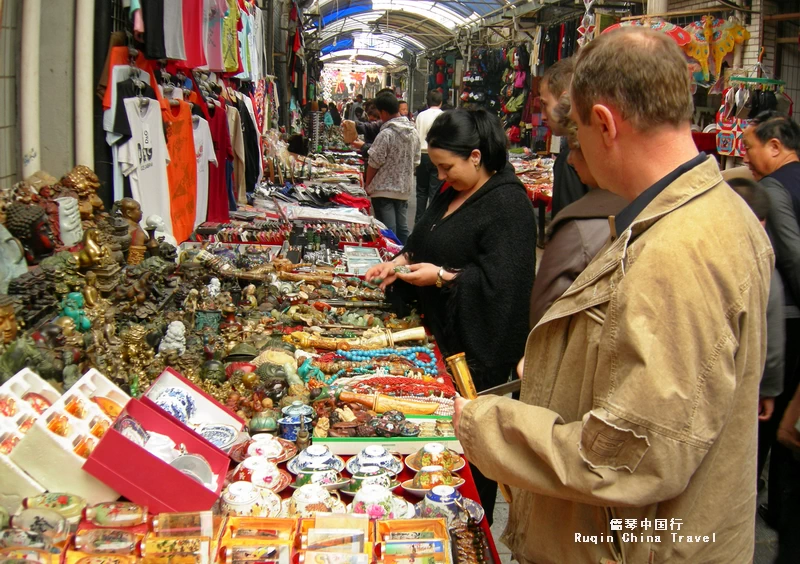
[766, 406]
[422, 274]
[459, 405]
[521, 367]
[357, 144]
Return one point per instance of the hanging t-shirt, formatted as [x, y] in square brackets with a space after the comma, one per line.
[214, 12]
[193, 36]
[153, 17]
[217, 178]
[204, 154]
[127, 89]
[173, 29]
[144, 158]
[182, 170]
[239, 155]
[230, 37]
[250, 147]
[245, 35]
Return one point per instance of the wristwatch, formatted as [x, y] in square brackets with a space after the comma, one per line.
[439, 279]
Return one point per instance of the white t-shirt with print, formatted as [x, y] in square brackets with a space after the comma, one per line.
[204, 153]
[144, 158]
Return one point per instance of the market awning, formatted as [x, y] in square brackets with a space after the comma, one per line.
[397, 28]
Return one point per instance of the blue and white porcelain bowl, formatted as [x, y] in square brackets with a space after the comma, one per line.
[290, 426]
[178, 403]
[375, 455]
[444, 502]
[220, 435]
[315, 457]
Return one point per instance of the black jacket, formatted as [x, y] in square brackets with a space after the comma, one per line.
[567, 185]
[491, 239]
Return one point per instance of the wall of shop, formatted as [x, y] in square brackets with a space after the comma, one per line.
[10, 14]
[57, 87]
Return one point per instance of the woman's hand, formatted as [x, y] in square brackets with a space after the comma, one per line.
[383, 272]
[422, 274]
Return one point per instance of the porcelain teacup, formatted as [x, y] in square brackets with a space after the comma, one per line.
[435, 454]
[369, 476]
[378, 503]
[375, 455]
[323, 477]
[246, 500]
[244, 472]
[442, 502]
[265, 445]
[266, 476]
[312, 498]
[315, 456]
[430, 476]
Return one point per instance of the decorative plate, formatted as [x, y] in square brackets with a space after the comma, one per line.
[346, 490]
[337, 463]
[219, 435]
[457, 483]
[131, 429]
[239, 451]
[413, 464]
[394, 466]
[338, 507]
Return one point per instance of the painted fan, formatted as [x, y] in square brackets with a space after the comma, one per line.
[713, 37]
[680, 36]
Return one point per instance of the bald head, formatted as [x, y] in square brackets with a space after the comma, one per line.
[640, 73]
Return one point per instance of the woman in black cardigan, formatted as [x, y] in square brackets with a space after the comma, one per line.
[473, 254]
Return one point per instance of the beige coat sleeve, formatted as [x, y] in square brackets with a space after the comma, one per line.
[664, 388]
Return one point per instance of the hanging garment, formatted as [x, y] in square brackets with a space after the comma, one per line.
[213, 14]
[230, 37]
[144, 158]
[204, 154]
[173, 30]
[245, 45]
[250, 147]
[182, 169]
[193, 36]
[217, 178]
[235, 128]
[153, 18]
[249, 102]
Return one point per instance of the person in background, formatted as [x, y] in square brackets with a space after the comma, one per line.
[771, 143]
[772, 380]
[789, 437]
[428, 182]
[567, 187]
[327, 118]
[357, 103]
[640, 382]
[390, 172]
[359, 116]
[404, 109]
[472, 255]
[335, 115]
[579, 230]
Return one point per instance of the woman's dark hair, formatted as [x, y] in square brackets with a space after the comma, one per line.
[462, 131]
[772, 125]
[753, 194]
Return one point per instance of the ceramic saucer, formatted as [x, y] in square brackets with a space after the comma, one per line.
[220, 435]
[394, 467]
[421, 492]
[413, 463]
[335, 486]
[293, 465]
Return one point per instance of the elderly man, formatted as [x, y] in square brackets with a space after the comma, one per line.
[635, 436]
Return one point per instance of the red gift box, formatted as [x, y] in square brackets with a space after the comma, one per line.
[146, 479]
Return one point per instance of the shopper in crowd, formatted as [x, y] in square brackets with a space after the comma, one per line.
[404, 109]
[428, 182]
[472, 255]
[390, 172]
[579, 230]
[335, 115]
[359, 116]
[567, 187]
[327, 118]
[772, 143]
[772, 379]
[641, 382]
[354, 105]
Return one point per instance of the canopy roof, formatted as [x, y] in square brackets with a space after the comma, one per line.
[390, 32]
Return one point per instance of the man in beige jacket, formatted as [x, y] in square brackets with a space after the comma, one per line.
[635, 437]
